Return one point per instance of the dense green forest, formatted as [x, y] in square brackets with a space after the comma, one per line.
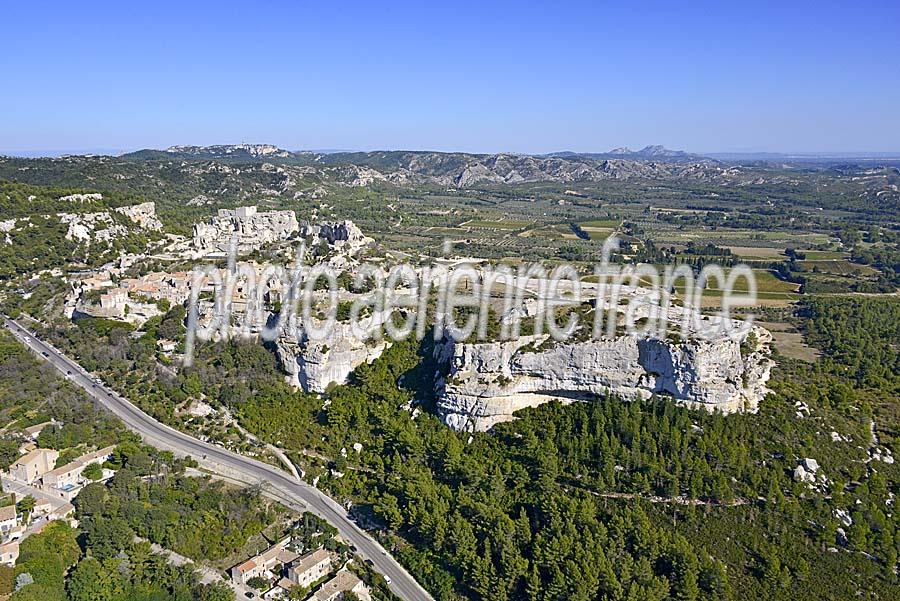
[53, 566]
[150, 496]
[859, 337]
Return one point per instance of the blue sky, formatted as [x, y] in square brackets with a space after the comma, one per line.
[517, 76]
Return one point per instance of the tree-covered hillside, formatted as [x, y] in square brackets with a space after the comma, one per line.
[598, 500]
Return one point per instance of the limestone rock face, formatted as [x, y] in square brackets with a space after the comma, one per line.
[143, 214]
[488, 382]
[92, 227]
[315, 364]
[250, 228]
[82, 198]
[344, 237]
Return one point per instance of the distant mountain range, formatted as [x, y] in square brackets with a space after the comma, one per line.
[464, 170]
[208, 175]
[652, 153]
[221, 151]
[460, 169]
[268, 151]
[647, 153]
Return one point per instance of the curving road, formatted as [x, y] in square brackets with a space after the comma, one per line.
[273, 482]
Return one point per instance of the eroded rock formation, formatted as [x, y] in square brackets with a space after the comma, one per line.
[143, 214]
[250, 229]
[315, 364]
[488, 382]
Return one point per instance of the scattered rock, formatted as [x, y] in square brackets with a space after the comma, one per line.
[841, 537]
[801, 475]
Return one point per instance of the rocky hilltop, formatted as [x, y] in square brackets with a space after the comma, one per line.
[229, 151]
[249, 228]
[456, 169]
[463, 170]
[238, 174]
[488, 382]
[650, 153]
[103, 226]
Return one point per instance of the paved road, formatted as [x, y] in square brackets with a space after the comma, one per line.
[274, 483]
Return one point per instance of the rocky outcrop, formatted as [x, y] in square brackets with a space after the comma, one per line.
[92, 227]
[229, 151]
[144, 215]
[343, 237]
[105, 226]
[488, 382]
[250, 229]
[6, 226]
[314, 365]
[82, 197]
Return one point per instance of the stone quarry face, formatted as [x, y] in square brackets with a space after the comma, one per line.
[310, 364]
[488, 382]
[316, 364]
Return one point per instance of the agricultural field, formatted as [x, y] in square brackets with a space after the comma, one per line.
[757, 252]
[499, 224]
[788, 341]
[823, 255]
[600, 224]
[742, 238]
[836, 267]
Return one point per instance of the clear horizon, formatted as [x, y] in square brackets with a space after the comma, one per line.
[705, 78]
[56, 153]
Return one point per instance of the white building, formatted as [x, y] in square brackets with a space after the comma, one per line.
[33, 465]
[67, 481]
[310, 567]
[344, 582]
[261, 565]
[9, 553]
[8, 519]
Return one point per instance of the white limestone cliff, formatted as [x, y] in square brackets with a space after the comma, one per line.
[315, 364]
[488, 382]
[342, 237]
[103, 226]
[144, 215]
[250, 228]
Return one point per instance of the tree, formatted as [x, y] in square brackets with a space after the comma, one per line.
[259, 583]
[217, 591]
[91, 499]
[389, 508]
[92, 471]
[25, 506]
[6, 580]
[105, 537]
[92, 580]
